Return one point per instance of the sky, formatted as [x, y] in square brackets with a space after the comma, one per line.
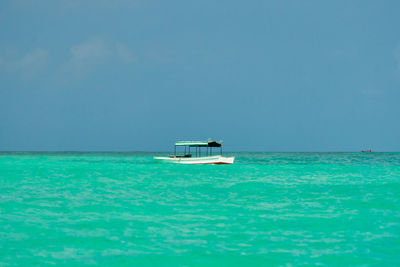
[260, 75]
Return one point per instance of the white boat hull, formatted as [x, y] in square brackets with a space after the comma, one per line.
[197, 160]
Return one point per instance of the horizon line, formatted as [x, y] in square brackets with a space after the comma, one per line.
[142, 151]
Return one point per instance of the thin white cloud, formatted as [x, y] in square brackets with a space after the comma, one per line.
[91, 53]
[123, 52]
[29, 63]
[88, 54]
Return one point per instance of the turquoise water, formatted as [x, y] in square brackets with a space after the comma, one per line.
[123, 209]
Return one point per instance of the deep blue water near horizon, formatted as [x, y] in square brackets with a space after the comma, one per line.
[124, 209]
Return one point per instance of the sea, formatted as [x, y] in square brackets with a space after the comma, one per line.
[267, 209]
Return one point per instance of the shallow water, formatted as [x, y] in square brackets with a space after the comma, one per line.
[266, 209]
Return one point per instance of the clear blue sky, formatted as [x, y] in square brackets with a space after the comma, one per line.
[260, 75]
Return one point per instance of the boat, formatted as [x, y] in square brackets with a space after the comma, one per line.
[369, 150]
[196, 158]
